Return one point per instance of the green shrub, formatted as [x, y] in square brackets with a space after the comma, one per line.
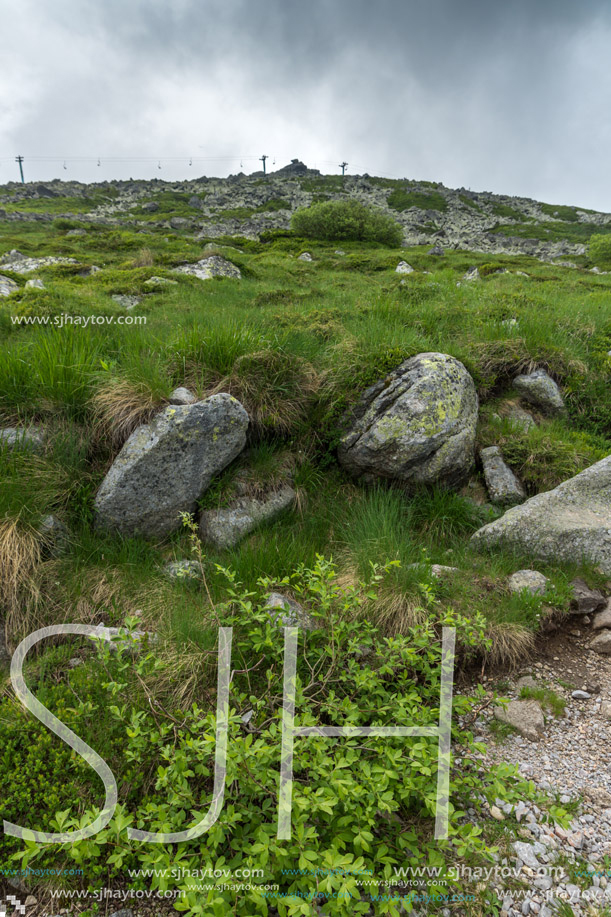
[360, 805]
[346, 220]
[600, 251]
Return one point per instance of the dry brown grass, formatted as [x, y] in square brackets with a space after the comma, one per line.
[120, 406]
[144, 258]
[512, 644]
[20, 552]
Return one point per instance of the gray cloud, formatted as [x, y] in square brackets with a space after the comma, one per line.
[507, 96]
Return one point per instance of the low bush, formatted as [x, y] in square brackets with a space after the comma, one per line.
[346, 220]
[599, 251]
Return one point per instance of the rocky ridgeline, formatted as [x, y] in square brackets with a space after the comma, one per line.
[211, 207]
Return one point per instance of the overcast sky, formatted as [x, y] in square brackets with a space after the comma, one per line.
[511, 96]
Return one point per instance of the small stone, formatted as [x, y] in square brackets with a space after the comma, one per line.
[603, 619]
[305, 256]
[472, 274]
[125, 300]
[496, 813]
[160, 282]
[602, 643]
[404, 268]
[35, 284]
[585, 601]
[183, 569]
[503, 486]
[293, 614]
[525, 716]
[224, 528]
[580, 695]
[530, 580]
[54, 535]
[30, 438]
[526, 853]
[540, 389]
[182, 396]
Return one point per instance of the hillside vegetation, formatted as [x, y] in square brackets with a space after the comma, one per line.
[98, 352]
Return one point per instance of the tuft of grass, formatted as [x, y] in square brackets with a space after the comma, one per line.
[511, 643]
[549, 700]
[276, 388]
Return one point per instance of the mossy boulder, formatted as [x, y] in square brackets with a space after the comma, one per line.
[165, 466]
[416, 426]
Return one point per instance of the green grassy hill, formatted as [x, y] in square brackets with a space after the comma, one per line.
[296, 342]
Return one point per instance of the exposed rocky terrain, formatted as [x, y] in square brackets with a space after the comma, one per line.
[248, 205]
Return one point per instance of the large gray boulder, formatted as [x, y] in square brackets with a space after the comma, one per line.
[417, 425]
[540, 390]
[166, 465]
[570, 523]
[224, 528]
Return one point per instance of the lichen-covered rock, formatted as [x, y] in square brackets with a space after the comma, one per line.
[166, 465]
[35, 284]
[7, 286]
[503, 486]
[540, 389]
[570, 523]
[225, 527]
[528, 580]
[213, 266]
[404, 268]
[305, 256]
[20, 264]
[416, 426]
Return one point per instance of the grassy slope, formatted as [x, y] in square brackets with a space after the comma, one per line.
[297, 341]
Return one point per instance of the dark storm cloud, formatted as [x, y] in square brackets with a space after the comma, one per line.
[505, 96]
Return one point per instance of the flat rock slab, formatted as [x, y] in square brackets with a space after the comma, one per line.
[207, 268]
[570, 523]
[166, 465]
[503, 486]
[417, 425]
[23, 265]
[540, 389]
[224, 528]
[525, 716]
